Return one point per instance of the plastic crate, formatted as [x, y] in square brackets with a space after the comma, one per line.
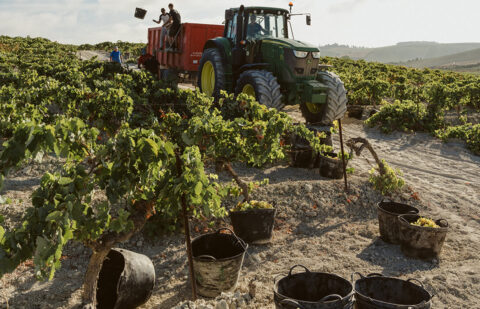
[140, 13]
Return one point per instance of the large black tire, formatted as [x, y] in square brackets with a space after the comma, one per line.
[267, 89]
[336, 105]
[212, 56]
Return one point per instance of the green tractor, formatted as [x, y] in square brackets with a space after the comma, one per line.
[255, 56]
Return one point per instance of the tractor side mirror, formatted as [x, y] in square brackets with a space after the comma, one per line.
[309, 20]
[228, 14]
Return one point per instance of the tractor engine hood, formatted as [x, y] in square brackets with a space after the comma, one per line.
[292, 44]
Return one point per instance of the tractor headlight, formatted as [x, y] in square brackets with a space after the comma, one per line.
[300, 54]
[316, 55]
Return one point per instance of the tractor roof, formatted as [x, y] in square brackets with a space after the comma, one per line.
[249, 9]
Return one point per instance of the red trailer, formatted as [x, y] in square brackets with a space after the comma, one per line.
[190, 41]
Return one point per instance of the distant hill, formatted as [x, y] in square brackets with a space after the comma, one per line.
[400, 52]
[465, 61]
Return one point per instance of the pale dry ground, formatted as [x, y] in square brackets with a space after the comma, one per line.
[89, 54]
[318, 226]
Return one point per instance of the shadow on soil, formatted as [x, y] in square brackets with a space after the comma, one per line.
[20, 185]
[392, 260]
[57, 294]
[278, 173]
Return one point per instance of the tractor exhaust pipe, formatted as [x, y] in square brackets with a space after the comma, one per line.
[240, 19]
[238, 50]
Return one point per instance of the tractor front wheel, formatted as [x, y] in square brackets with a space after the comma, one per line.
[334, 108]
[262, 85]
[211, 76]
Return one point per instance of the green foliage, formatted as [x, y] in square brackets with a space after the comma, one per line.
[404, 116]
[467, 132]
[421, 96]
[133, 149]
[370, 82]
[234, 190]
[68, 138]
[388, 183]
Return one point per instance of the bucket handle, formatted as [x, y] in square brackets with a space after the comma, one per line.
[356, 273]
[206, 257]
[380, 304]
[242, 243]
[403, 219]
[288, 301]
[330, 298]
[225, 229]
[363, 277]
[298, 265]
[416, 281]
[443, 220]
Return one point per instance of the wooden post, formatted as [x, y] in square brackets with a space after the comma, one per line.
[187, 233]
[343, 154]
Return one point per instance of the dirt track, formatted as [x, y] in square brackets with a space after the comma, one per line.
[318, 226]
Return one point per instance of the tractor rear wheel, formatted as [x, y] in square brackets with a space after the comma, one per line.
[262, 85]
[334, 108]
[211, 73]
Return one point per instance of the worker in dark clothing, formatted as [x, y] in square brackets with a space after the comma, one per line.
[175, 22]
[254, 29]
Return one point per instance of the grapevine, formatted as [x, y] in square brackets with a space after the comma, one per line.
[123, 137]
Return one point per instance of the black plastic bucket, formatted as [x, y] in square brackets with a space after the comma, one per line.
[377, 292]
[388, 224]
[331, 166]
[254, 226]
[419, 241]
[126, 280]
[302, 154]
[140, 13]
[312, 290]
[217, 260]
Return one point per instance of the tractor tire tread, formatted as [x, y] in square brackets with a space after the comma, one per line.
[213, 55]
[267, 88]
[336, 105]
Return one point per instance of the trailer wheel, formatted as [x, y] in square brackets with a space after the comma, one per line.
[262, 85]
[334, 108]
[211, 76]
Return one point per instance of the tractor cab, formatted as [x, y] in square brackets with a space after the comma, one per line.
[256, 23]
[256, 56]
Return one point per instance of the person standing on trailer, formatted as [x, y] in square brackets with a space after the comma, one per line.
[164, 19]
[116, 56]
[175, 21]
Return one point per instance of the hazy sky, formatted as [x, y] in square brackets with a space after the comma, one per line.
[353, 22]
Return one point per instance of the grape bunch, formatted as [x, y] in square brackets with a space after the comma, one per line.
[425, 222]
[253, 204]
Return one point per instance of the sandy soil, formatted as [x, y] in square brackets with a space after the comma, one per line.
[103, 56]
[89, 54]
[318, 225]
